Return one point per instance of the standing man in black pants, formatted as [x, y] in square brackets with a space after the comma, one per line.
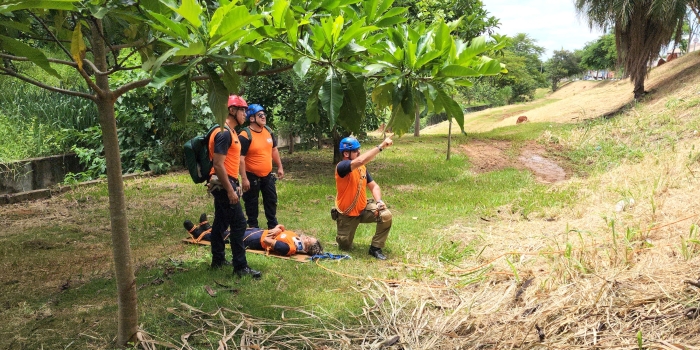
[258, 151]
[225, 150]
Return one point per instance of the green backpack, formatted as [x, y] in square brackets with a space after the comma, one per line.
[197, 158]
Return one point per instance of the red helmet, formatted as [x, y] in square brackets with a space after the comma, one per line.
[237, 101]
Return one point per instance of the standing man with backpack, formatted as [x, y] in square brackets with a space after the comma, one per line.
[351, 181]
[258, 151]
[225, 150]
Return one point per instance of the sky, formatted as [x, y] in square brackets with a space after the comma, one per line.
[554, 24]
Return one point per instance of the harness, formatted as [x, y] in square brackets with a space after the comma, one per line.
[201, 234]
[354, 201]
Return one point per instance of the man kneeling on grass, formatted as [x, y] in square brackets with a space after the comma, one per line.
[276, 240]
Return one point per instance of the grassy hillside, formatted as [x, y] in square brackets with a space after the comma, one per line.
[486, 251]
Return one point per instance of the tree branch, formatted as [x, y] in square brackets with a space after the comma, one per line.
[130, 86]
[82, 72]
[44, 86]
[55, 39]
[141, 83]
[267, 72]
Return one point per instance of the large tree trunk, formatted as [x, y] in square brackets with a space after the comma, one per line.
[127, 320]
[337, 156]
[639, 88]
[290, 149]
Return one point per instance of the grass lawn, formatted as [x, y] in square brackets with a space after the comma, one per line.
[57, 274]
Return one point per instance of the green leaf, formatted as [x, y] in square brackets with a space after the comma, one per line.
[349, 118]
[476, 47]
[37, 57]
[292, 26]
[255, 53]
[390, 21]
[167, 74]
[443, 40]
[354, 32]
[383, 6]
[302, 67]
[331, 95]
[181, 97]
[22, 27]
[457, 71]
[452, 108]
[381, 96]
[279, 8]
[168, 26]
[350, 50]
[375, 68]
[218, 17]
[408, 102]
[337, 28]
[330, 4]
[370, 8]
[232, 26]
[231, 79]
[194, 49]
[98, 12]
[427, 58]
[354, 103]
[67, 5]
[190, 10]
[312, 115]
[350, 67]
[399, 121]
[218, 96]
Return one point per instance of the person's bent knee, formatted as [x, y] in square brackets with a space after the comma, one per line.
[385, 216]
[344, 243]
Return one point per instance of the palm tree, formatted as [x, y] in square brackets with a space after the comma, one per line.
[641, 27]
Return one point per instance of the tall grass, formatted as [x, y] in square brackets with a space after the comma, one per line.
[21, 102]
[36, 122]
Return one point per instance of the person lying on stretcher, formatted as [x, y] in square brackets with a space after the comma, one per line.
[277, 240]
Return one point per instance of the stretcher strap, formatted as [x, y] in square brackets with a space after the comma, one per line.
[201, 235]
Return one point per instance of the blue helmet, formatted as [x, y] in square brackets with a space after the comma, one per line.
[253, 109]
[349, 143]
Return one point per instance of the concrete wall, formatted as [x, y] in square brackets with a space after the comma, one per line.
[36, 173]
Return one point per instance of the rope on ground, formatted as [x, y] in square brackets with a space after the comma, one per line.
[671, 223]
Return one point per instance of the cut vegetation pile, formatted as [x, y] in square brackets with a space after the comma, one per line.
[606, 257]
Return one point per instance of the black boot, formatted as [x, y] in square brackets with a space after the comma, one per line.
[377, 253]
[203, 222]
[189, 227]
[247, 271]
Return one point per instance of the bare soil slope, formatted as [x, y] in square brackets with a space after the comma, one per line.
[581, 100]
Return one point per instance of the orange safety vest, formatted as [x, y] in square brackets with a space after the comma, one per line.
[233, 156]
[289, 237]
[346, 191]
[258, 160]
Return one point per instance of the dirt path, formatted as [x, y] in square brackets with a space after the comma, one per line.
[497, 155]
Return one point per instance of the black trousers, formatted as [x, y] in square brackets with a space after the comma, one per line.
[266, 185]
[228, 215]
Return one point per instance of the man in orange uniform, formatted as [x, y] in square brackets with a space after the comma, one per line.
[258, 151]
[225, 150]
[351, 182]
